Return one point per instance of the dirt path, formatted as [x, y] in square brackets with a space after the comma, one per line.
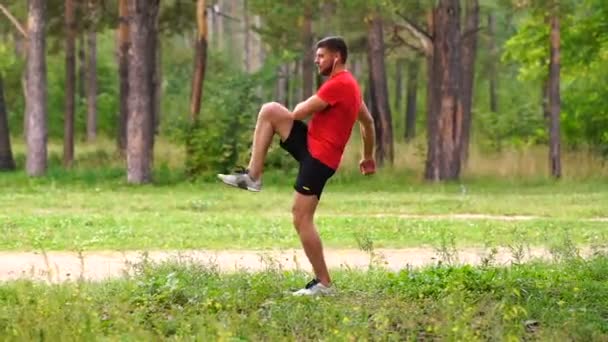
[61, 266]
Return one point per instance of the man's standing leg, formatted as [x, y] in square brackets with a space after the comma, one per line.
[304, 208]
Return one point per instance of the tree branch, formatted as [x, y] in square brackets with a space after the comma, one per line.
[426, 41]
[13, 20]
[400, 41]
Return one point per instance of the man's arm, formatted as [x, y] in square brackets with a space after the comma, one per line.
[368, 133]
[307, 108]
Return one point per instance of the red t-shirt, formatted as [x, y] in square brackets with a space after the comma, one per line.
[330, 129]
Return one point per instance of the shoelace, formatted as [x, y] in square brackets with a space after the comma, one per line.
[312, 283]
[240, 170]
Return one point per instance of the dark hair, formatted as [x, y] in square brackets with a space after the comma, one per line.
[334, 44]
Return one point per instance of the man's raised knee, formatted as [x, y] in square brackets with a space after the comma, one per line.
[270, 107]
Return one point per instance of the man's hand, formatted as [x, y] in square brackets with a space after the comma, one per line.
[367, 166]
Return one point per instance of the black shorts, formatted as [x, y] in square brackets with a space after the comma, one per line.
[312, 174]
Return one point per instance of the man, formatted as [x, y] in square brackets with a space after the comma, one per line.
[318, 148]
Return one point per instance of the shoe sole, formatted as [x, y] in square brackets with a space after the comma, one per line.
[242, 186]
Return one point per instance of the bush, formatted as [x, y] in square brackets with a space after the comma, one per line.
[221, 138]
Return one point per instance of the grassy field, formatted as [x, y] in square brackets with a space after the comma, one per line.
[182, 301]
[92, 208]
[73, 215]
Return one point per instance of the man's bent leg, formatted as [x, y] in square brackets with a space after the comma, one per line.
[303, 219]
[273, 118]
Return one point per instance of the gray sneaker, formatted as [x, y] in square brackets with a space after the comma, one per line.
[315, 288]
[242, 180]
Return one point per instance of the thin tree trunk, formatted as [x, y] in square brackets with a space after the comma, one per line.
[36, 100]
[82, 65]
[92, 86]
[399, 66]
[432, 160]
[283, 84]
[140, 143]
[200, 61]
[295, 90]
[247, 37]
[554, 98]
[372, 102]
[412, 94]
[6, 153]
[493, 70]
[307, 56]
[379, 90]
[469, 50]
[70, 84]
[445, 164]
[124, 44]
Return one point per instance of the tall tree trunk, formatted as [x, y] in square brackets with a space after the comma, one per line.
[445, 141]
[307, 56]
[282, 90]
[492, 60]
[379, 89]
[247, 37]
[124, 44]
[158, 81]
[70, 84]
[92, 85]
[36, 100]
[372, 103]
[144, 15]
[82, 65]
[412, 94]
[200, 61]
[295, 90]
[6, 153]
[554, 97]
[432, 160]
[399, 66]
[469, 50]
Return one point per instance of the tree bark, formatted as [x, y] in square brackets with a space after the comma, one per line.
[92, 86]
[431, 168]
[6, 153]
[140, 143]
[444, 141]
[412, 94]
[124, 44]
[380, 90]
[469, 50]
[36, 101]
[307, 56]
[70, 84]
[200, 61]
[554, 97]
[247, 37]
[492, 69]
[82, 65]
[399, 65]
[282, 90]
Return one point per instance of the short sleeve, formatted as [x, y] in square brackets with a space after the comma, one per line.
[329, 92]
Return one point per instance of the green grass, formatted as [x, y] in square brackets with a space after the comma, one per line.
[180, 300]
[94, 210]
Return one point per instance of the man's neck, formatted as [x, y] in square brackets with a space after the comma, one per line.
[337, 69]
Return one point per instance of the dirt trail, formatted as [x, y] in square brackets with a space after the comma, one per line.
[99, 265]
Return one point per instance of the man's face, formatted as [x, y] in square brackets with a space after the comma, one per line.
[325, 59]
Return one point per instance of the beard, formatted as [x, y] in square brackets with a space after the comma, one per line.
[325, 71]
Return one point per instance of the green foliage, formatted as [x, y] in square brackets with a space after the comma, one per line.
[223, 134]
[584, 56]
